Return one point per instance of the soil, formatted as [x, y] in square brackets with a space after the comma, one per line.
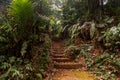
[73, 75]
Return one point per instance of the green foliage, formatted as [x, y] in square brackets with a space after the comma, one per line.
[5, 66]
[15, 68]
[74, 31]
[8, 39]
[73, 51]
[6, 36]
[19, 34]
[24, 48]
[44, 57]
[100, 59]
[2, 39]
[92, 30]
[113, 7]
[39, 75]
[22, 13]
[21, 10]
[105, 66]
[73, 10]
[87, 30]
[85, 51]
[116, 63]
[59, 31]
[112, 36]
[68, 42]
[104, 30]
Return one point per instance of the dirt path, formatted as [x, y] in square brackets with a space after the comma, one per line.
[65, 69]
[72, 75]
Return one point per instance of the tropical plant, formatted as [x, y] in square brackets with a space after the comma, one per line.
[106, 66]
[112, 37]
[20, 34]
[21, 13]
[86, 31]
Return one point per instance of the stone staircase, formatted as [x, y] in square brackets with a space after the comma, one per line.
[61, 61]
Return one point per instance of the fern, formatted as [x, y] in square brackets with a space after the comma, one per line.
[22, 13]
[21, 10]
[112, 37]
[74, 30]
[14, 72]
[100, 59]
[2, 39]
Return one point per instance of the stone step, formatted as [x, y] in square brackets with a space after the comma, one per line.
[58, 52]
[58, 55]
[71, 65]
[62, 59]
[55, 50]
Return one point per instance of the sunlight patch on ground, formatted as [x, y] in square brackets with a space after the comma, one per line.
[73, 75]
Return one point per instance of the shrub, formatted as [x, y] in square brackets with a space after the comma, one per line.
[73, 51]
[112, 37]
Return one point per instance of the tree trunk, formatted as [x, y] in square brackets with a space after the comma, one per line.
[101, 9]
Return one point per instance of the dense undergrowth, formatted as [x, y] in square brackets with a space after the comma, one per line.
[93, 31]
[100, 49]
[24, 42]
